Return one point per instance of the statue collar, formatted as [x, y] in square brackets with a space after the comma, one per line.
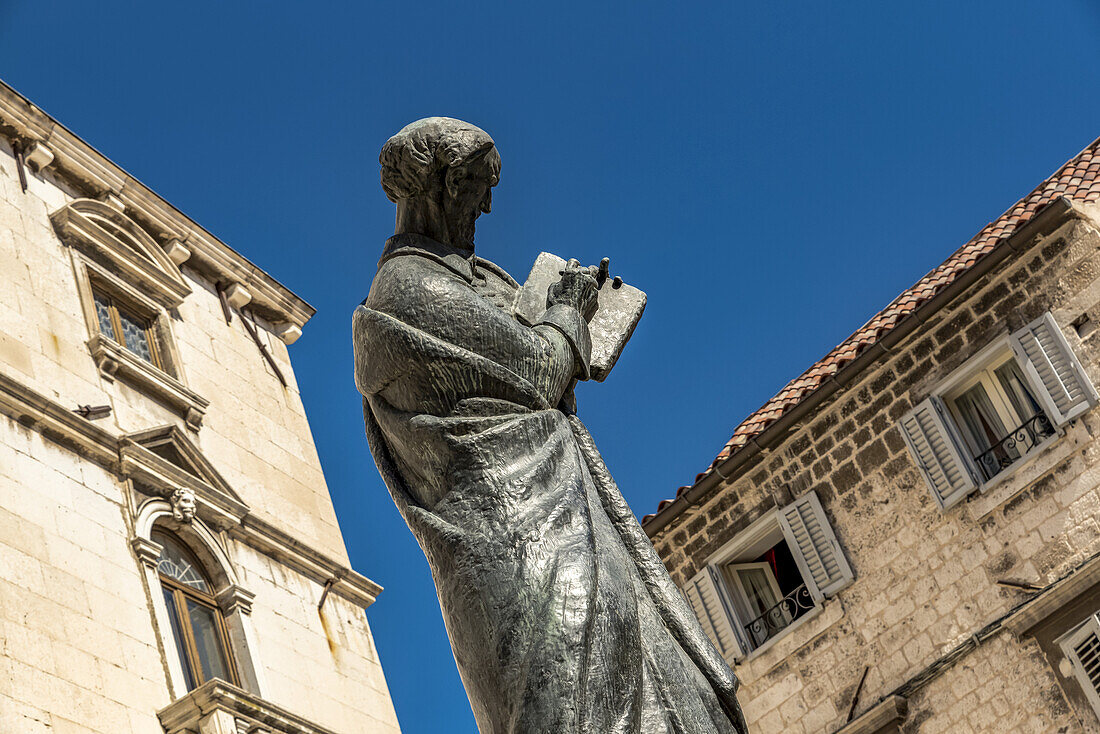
[460, 261]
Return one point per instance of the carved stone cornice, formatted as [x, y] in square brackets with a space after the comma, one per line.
[88, 170]
[101, 230]
[127, 458]
[234, 598]
[59, 424]
[147, 551]
[217, 706]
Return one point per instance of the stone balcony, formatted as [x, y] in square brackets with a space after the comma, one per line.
[216, 707]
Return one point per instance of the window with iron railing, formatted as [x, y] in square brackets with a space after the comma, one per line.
[768, 578]
[999, 416]
[998, 410]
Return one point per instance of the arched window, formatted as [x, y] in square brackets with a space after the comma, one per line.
[198, 626]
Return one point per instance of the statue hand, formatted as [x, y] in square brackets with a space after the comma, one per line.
[577, 288]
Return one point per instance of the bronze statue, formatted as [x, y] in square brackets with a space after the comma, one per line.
[560, 614]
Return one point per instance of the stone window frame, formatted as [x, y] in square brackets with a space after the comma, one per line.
[934, 437]
[104, 245]
[184, 594]
[809, 536]
[234, 600]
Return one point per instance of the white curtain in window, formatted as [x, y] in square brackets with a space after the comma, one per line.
[983, 426]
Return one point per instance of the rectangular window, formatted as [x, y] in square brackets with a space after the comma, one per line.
[120, 324]
[769, 577]
[994, 413]
[999, 416]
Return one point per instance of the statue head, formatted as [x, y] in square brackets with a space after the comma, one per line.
[183, 505]
[440, 172]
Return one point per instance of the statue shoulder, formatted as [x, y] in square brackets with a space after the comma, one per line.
[404, 281]
[497, 270]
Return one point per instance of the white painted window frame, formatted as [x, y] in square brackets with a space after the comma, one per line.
[1005, 347]
[752, 541]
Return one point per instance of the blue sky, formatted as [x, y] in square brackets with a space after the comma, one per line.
[771, 175]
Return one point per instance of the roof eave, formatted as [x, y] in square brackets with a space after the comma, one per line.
[1044, 221]
[89, 170]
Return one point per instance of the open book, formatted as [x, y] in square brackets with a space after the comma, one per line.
[620, 309]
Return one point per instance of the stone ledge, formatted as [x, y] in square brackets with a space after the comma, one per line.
[891, 710]
[116, 361]
[1035, 610]
[34, 410]
[217, 707]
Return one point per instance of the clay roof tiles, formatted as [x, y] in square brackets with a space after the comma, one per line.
[1078, 179]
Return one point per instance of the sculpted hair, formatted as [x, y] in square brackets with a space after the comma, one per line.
[414, 159]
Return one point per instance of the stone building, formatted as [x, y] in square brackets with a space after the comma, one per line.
[906, 537]
[170, 560]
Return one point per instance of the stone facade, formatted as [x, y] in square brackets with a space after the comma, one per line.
[925, 627]
[86, 641]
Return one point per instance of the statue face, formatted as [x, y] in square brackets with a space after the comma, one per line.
[470, 193]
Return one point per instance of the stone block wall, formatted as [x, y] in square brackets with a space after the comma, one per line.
[78, 652]
[79, 649]
[925, 578]
[255, 431]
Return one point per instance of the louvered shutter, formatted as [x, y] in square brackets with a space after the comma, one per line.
[1083, 650]
[814, 546]
[706, 600]
[1042, 349]
[937, 454]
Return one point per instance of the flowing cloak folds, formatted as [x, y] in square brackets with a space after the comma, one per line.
[560, 614]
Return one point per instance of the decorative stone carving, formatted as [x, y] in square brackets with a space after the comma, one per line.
[177, 252]
[38, 156]
[218, 707]
[148, 552]
[233, 598]
[288, 333]
[237, 295]
[560, 613]
[184, 505]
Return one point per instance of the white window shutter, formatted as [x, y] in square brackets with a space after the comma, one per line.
[1045, 355]
[936, 452]
[1082, 648]
[705, 599]
[814, 547]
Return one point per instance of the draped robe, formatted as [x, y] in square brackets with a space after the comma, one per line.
[560, 614]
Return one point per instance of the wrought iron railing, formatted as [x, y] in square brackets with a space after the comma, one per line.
[778, 617]
[1018, 442]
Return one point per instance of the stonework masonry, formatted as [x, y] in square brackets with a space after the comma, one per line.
[86, 643]
[925, 615]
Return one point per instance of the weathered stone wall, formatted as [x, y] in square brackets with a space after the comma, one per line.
[255, 431]
[78, 634]
[78, 652]
[925, 579]
[321, 664]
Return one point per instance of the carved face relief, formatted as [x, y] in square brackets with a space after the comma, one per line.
[184, 505]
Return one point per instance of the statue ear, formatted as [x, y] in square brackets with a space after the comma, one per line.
[453, 180]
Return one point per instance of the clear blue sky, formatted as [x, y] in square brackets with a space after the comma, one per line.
[770, 173]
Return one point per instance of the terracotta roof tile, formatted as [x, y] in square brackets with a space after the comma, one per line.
[1079, 179]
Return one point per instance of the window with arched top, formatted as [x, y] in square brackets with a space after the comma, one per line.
[198, 626]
